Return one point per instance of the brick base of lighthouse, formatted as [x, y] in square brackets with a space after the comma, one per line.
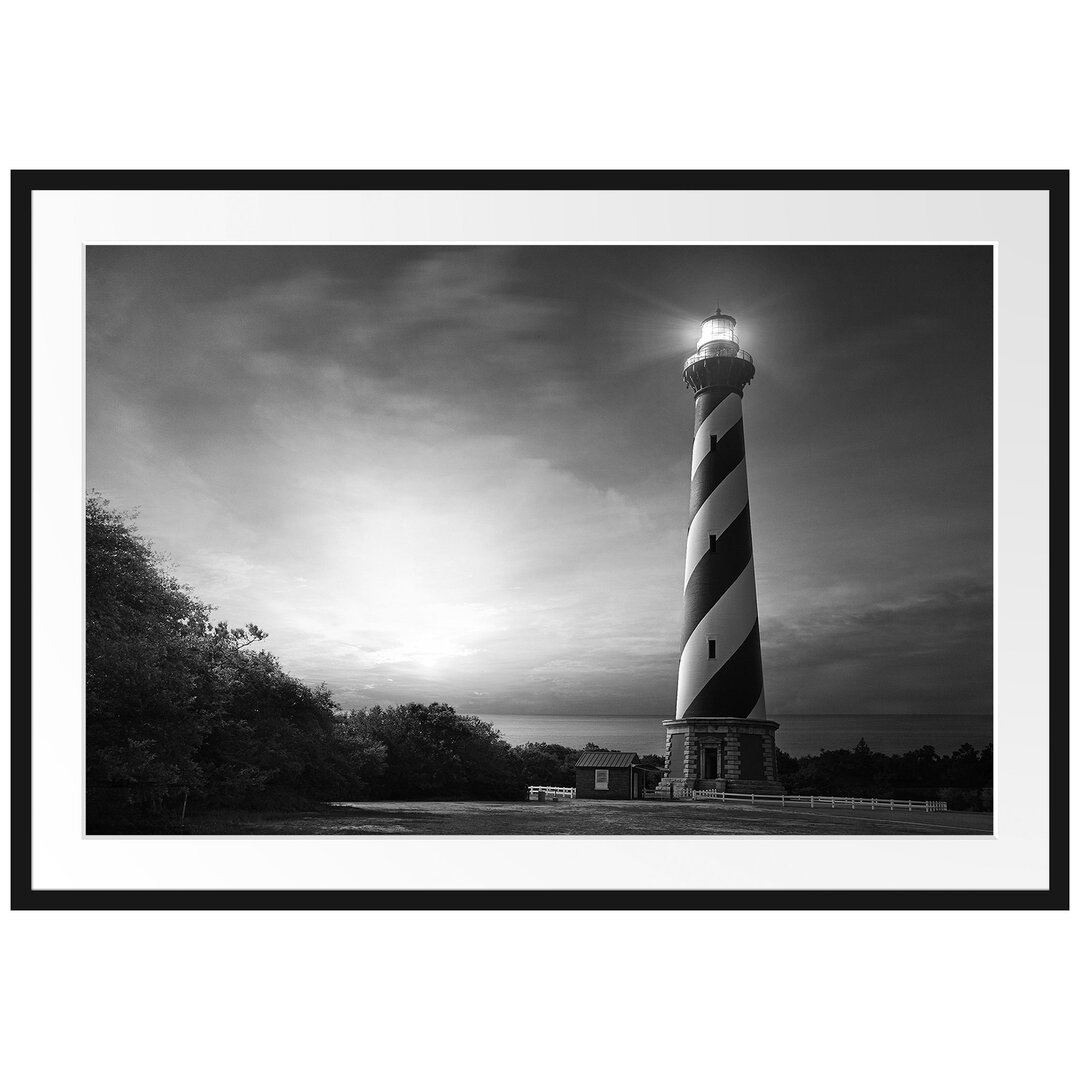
[734, 755]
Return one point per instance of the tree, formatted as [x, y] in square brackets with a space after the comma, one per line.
[143, 718]
[431, 751]
[546, 763]
[655, 769]
[964, 780]
[179, 706]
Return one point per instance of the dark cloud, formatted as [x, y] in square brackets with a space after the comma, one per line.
[931, 652]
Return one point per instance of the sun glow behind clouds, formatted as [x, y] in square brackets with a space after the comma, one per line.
[484, 568]
[425, 560]
[409, 575]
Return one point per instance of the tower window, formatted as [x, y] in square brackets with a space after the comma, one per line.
[712, 648]
[713, 440]
[713, 537]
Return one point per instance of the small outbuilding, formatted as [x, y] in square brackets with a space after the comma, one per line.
[606, 775]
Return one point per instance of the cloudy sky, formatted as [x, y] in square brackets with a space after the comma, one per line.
[462, 474]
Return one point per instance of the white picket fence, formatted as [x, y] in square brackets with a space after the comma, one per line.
[831, 801]
[550, 792]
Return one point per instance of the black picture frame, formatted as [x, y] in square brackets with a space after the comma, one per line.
[24, 185]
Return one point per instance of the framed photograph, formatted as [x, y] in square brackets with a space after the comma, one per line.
[352, 534]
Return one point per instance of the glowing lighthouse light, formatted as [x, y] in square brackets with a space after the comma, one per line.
[720, 737]
[718, 327]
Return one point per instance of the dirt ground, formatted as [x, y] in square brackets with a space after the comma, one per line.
[572, 817]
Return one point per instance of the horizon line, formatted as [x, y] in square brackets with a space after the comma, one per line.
[647, 716]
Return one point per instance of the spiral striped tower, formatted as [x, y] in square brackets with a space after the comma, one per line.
[720, 737]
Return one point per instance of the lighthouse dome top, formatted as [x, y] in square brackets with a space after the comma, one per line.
[718, 314]
[719, 326]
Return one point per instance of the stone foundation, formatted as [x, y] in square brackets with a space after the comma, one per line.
[745, 754]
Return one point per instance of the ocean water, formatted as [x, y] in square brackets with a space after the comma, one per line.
[798, 735]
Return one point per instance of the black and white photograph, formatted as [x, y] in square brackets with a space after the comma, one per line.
[549, 539]
[504, 545]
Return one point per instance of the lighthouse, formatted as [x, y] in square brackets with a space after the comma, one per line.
[720, 737]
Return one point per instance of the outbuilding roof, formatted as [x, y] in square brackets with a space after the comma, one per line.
[604, 760]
